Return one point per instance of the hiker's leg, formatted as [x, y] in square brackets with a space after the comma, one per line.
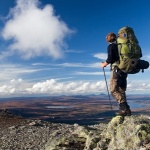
[118, 86]
[122, 86]
[124, 107]
[117, 92]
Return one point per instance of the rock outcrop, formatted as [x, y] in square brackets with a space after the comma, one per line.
[129, 133]
[121, 133]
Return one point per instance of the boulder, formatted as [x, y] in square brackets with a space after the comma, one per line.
[121, 133]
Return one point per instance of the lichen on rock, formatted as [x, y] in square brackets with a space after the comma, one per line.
[128, 133]
[121, 133]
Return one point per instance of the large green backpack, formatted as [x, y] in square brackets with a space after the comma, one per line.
[129, 50]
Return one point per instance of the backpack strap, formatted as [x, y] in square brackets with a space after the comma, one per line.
[119, 50]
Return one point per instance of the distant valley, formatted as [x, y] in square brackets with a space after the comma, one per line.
[84, 110]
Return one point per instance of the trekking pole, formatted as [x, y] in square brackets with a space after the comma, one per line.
[107, 89]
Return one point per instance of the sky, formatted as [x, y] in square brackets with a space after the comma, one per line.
[54, 47]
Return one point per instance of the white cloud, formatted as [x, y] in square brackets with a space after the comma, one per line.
[92, 73]
[82, 65]
[19, 87]
[14, 87]
[73, 51]
[51, 87]
[94, 65]
[138, 86]
[10, 71]
[89, 65]
[102, 56]
[77, 87]
[70, 65]
[35, 31]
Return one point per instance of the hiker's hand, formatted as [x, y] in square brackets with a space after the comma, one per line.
[103, 64]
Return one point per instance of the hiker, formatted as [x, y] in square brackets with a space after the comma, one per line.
[118, 80]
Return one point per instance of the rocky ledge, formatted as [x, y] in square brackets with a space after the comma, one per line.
[121, 133]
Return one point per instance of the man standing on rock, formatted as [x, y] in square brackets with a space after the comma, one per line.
[118, 80]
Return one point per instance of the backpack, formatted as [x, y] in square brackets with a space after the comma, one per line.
[129, 52]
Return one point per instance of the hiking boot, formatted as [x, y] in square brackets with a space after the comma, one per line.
[128, 112]
[124, 109]
[125, 112]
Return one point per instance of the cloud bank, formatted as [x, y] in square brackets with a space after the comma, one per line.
[101, 56]
[35, 31]
[50, 87]
[54, 87]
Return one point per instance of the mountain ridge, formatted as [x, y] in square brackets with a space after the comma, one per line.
[120, 133]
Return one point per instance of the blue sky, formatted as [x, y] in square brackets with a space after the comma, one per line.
[54, 47]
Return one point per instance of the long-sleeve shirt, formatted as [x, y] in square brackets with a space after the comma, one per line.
[112, 51]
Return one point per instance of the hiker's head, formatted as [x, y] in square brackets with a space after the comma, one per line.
[111, 37]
